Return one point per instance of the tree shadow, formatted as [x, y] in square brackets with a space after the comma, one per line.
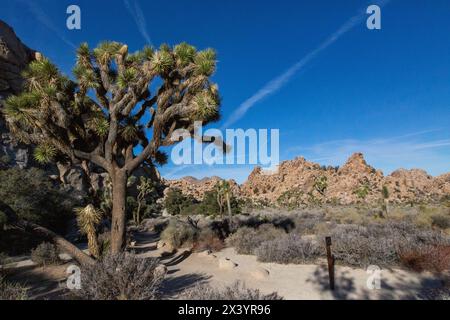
[41, 283]
[344, 283]
[173, 286]
[178, 258]
[398, 287]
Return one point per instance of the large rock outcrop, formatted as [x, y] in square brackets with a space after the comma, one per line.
[14, 57]
[300, 182]
[197, 187]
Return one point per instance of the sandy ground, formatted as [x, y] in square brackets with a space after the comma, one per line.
[304, 282]
[186, 269]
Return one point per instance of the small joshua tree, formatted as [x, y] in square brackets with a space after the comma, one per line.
[88, 218]
[320, 184]
[223, 190]
[145, 188]
[108, 112]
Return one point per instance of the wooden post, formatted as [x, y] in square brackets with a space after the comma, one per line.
[330, 259]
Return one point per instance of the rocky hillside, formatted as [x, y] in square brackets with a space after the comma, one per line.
[197, 187]
[14, 57]
[300, 182]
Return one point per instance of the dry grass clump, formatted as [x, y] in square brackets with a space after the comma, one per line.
[237, 291]
[434, 258]
[121, 277]
[45, 254]
[245, 240]
[12, 291]
[290, 248]
[207, 239]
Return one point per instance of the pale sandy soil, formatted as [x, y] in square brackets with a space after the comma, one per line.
[305, 282]
[186, 269]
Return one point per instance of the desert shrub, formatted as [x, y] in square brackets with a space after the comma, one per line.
[434, 258]
[104, 243]
[381, 243]
[306, 223]
[45, 254]
[207, 239]
[179, 233]
[33, 196]
[290, 248]
[441, 221]
[12, 291]
[291, 199]
[362, 191]
[245, 240]
[356, 246]
[121, 277]
[237, 291]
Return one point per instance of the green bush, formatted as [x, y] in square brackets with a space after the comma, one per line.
[179, 233]
[45, 254]
[33, 196]
[175, 202]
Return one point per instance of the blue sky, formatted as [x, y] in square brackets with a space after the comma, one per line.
[385, 92]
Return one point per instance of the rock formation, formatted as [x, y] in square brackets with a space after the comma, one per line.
[300, 182]
[14, 57]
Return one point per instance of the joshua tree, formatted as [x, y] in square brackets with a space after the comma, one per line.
[223, 195]
[108, 112]
[145, 188]
[88, 218]
[320, 184]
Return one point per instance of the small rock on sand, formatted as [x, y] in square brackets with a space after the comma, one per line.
[227, 264]
[260, 273]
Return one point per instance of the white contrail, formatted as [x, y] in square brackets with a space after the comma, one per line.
[42, 17]
[138, 16]
[275, 84]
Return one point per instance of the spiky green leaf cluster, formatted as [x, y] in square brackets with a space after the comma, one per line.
[127, 77]
[44, 153]
[205, 62]
[162, 62]
[106, 51]
[184, 54]
[100, 126]
[206, 104]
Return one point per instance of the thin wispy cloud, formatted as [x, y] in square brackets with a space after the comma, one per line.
[43, 18]
[276, 84]
[138, 16]
[415, 150]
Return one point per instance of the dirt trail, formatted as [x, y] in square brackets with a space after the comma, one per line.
[290, 281]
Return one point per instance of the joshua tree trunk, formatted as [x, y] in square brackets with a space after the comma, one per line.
[93, 243]
[119, 186]
[229, 205]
